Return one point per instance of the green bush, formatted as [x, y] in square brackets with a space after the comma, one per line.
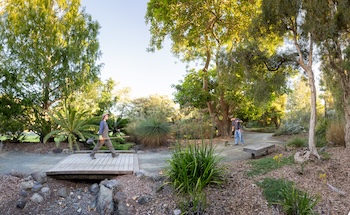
[290, 128]
[267, 164]
[194, 167]
[297, 142]
[194, 129]
[336, 134]
[153, 132]
[297, 202]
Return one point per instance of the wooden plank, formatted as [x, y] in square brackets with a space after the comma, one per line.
[104, 164]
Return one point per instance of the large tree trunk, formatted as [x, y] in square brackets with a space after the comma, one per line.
[346, 103]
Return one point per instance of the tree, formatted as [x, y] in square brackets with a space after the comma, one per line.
[153, 106]
[333, 18]
[199, 30]
[48, 50]
[291, 20]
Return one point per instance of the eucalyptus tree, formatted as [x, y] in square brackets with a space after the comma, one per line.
[292, 21]
[333, 21]
[49, 49]
[199, 30]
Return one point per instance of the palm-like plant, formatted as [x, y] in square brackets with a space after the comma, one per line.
[73, 125]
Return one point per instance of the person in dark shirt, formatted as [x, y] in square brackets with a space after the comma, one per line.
[237, 126]
[103, 138]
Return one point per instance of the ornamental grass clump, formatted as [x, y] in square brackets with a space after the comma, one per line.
[153, 132]
[191, 169]
[194, 167]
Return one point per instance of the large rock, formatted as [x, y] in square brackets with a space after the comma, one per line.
[301, 157]
[105, 204]
[39, 177]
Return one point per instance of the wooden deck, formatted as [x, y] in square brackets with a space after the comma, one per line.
[81, 166]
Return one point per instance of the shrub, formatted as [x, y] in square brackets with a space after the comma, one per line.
[153, 132]
[284, 193]
[290, 128]
[336, 134]
[194, 167]
[194, 129]
[297, 202]
[297, 142]
[191, 169]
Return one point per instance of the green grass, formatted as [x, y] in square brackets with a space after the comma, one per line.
[272, 189]
[297, 142]
[267, 164]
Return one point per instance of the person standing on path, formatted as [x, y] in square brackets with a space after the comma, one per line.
[238, 128]
[103, 138]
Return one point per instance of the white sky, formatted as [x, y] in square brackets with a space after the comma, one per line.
[124, 38]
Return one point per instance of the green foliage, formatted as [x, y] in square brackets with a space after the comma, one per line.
[290, 128]
[321, 133]
[193, 204]
[73, 125]
[194, 167]
[48, 49]
[272, 189]
[284, 193]
[119, 146]
[12, 118]
[149, 107]
[297, 142]
[298, 202]
[267, 164]
[336, 133]
[194, 128]
[153, 132]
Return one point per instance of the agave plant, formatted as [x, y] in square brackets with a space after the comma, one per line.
[73, 125]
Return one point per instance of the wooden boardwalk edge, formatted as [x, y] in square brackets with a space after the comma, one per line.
[81, 164]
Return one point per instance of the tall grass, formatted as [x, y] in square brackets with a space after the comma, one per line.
[153, 132]
[194, 167]
[191, 169]
[336, 134]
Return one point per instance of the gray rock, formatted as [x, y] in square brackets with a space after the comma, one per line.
[144, 200]
[62, 192]
[39, 177]
[37, 186]
[26, 185]
[21, 203]
[122, 208]
[94, 188]
[23, 193]
[177, 212]
[111, 184]
[119, 197]
[36, 198]
[45, 191]
[105, 204]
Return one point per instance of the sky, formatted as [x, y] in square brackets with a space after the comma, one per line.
[124, 38]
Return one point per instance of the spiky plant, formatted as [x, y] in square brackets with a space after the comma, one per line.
[73, 125]
[153, 132]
